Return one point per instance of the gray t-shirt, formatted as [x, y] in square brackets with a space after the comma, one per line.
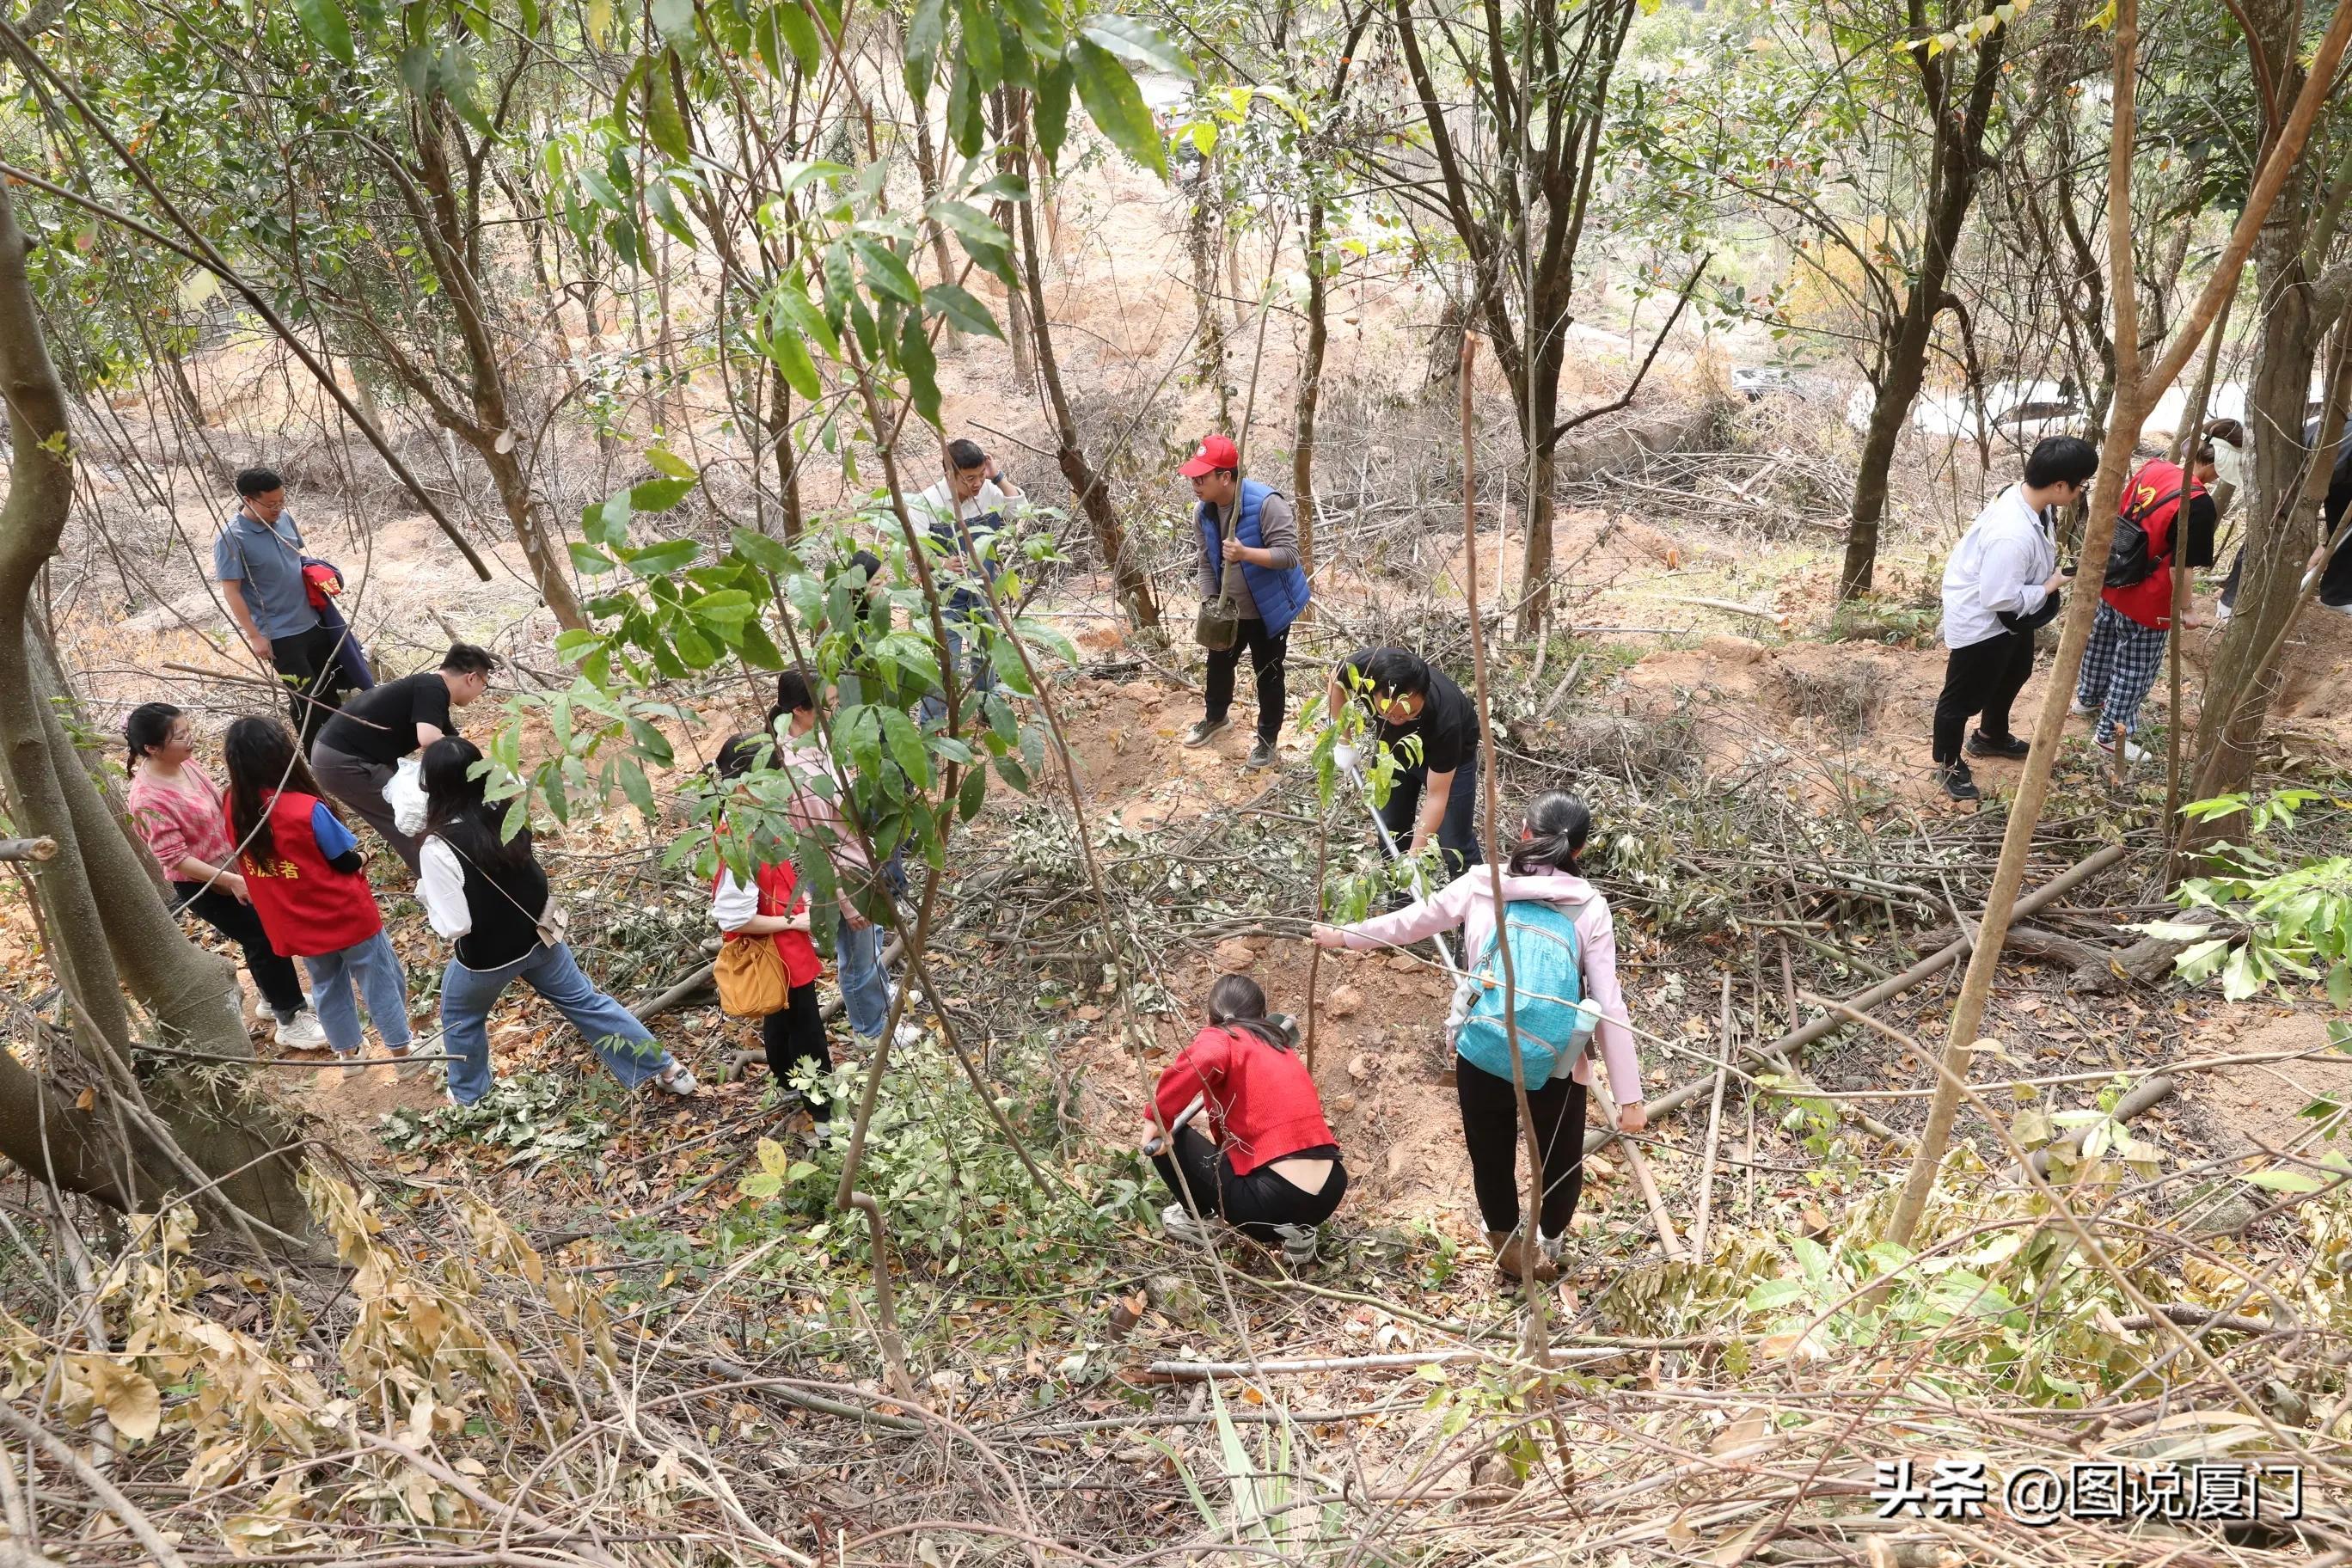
[268, 561]
[1277, 530]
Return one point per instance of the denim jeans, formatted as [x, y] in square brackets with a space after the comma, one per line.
[626, 1046]
[980, 676]
[865, 987]
[340, 979]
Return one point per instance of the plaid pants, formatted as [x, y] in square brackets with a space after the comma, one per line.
[2120, 665]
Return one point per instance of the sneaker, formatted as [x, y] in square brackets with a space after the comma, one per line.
[2078, 709]
[352, 1061]
[1553, 1246]
[406, 1062]
[2340, 609]
[2133, 754]
[676, 1078]
[1262, 756]
[1298, 1244]
[2221, 615]
[1206, 730]
[1181, 1223]
[1983, 745]
[1957, 781]
[302, 1032]
[909, 1033]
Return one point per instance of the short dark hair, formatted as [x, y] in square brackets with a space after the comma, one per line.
[252, 482]
[2228, 430]
[792, 695]
[2060, 460]
[465, 659]
[965, 455]
[738, 756]
[1397, 670]
[149, 727]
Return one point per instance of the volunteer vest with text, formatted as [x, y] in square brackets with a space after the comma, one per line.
[307, 907]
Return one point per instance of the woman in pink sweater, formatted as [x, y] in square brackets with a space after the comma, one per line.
[1542, 868]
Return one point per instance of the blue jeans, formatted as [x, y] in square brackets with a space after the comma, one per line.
[864, 988]
[339, 980]
[626, 1046]
[980, 676]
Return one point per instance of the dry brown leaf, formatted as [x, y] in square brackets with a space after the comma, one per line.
[86, 1099]
[129, 1398]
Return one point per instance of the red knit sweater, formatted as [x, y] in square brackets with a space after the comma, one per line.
[778, 886]
[1262, 1104]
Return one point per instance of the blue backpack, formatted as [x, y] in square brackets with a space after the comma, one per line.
[1548, 984]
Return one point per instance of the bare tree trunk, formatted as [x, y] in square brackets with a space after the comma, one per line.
[1310, 385]
[1208, 347]
[137, 1140]
[1958, 163]
[1130, 582]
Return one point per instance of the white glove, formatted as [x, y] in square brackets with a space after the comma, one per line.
[1345, 757]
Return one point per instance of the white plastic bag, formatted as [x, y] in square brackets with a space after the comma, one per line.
[405, 793]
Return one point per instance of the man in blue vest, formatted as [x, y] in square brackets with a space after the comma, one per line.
[1249, 552]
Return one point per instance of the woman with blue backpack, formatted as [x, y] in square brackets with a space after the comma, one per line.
[1562, 946]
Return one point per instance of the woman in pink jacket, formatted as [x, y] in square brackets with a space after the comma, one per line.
[1543, 868]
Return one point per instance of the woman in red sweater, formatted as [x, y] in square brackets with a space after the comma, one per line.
[772, 909]
[1268, 1162]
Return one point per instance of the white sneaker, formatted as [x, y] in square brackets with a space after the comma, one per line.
[676, 1078]
[1298, 1244]
[302, 1032]
[2132, 753]
[1181, 1223]
[1551, 1246]
[909, 1033]
[406, 1062]
[2080, 709]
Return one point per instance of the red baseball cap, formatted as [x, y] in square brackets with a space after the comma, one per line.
[1215, 452]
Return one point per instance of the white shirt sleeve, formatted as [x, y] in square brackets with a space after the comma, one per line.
[441, 889]
[733, 904]
[2003, 581]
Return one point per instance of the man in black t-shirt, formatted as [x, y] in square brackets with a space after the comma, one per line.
[360, 748]
[1435, 794]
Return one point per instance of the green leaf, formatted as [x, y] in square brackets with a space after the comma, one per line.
[790, 355]
[323, 20]
[1052, 110]
[668, 555]
[1771, 1293]
[640, 791]
[697, 651]
[760, 1183]
[905, 743]
[971, 223]
[664, 122]
[2286, 1181]
[771, 555]
[1006, 659]
[983, 47]
[591, 561]
[1009, 185]
[793, 312]
[669, 463]
[799, 35]
[1115, 104]
[886, 271]
[927, 29]
[973, 791]
[1140, 42]
[922, 368]
[1040, 30]
[965, 127]
[962, 308]
[608, 521]
[659, 495]
[674, 20]
[2339, 983]
[651, 742]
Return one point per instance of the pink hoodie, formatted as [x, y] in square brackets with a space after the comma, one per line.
[1468, 901]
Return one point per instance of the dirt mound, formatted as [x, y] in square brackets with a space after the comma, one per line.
[2255, 1103]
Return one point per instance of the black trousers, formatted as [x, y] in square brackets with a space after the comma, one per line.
[306, 663]
[1266, 657]
[1490, 1130]
[1982, 677]
[1253, 1205]
[1458, 830]
[280, 983]
[796, 1035]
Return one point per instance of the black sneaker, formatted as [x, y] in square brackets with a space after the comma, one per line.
[1262, 756]
[1204, 731]
[1958, 782]
[1983, 745]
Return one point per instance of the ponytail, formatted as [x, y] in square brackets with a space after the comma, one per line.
[1235, 1002]
[1557, 826]
[148, 729]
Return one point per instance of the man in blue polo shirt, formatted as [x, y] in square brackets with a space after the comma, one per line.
[1249, 550]
[257, 562]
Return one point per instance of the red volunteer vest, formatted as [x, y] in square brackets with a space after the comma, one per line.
[307, 907]
[2149, 601]
[777, 883]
